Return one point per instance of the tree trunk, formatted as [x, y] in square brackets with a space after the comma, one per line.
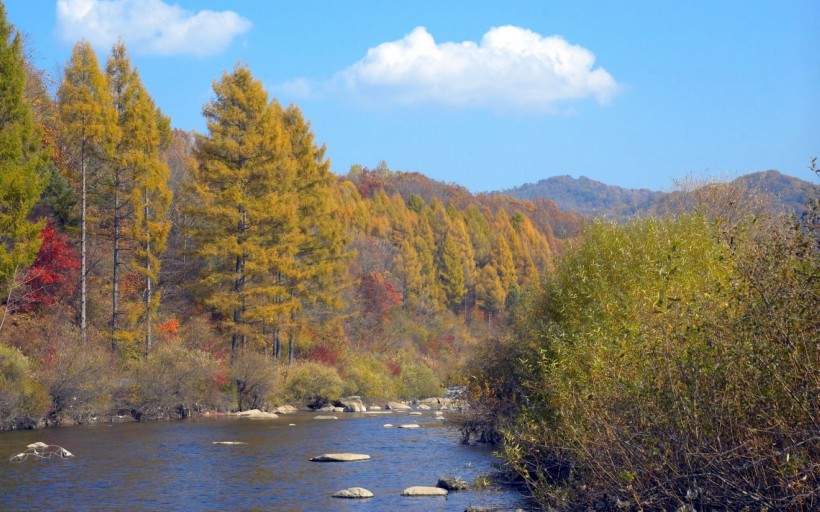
[83, 265]
[291, 343]
[115, 279]
[239, 284]
[148, 287]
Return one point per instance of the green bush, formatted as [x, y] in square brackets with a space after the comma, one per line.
[417, 380]
[23, 400]
[668, 362]
[367, 376]
[313, 384]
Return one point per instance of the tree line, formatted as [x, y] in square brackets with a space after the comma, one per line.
[236, 250]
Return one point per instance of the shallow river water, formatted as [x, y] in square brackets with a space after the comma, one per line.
[167, 466]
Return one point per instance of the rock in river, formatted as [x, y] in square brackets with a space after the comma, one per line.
[398, 406]
[353, 404]
[320, 417]
[256, 414]
[353, 493]
[409, 425]
[452, 484]
[421, 490]
[340, 457]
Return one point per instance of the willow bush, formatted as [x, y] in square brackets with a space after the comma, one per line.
[665, 364]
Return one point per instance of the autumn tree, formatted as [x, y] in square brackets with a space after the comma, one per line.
[22, 159]
[315, 278]
[52, 274]
[489, 292]
[89, 129]
[139, 194]
[247, 214]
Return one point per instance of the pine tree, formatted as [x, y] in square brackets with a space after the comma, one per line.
[247, 211]
[22, 160]
[89, 127]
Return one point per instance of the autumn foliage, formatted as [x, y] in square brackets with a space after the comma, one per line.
[53, 273]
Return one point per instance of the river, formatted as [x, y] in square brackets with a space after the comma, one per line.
[175, 465]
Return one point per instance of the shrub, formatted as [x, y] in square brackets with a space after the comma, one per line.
[313, 384]
[171, 382]
[367, 376]
[669, 362]
[23, 401]
[78, 379]
[255, 379]
[418, 381]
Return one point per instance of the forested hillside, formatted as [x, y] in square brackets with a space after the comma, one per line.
[154, 272]
[595, 199]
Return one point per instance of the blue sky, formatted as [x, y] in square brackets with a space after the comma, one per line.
[488, 95]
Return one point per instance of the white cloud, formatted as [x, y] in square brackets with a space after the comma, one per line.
[149, 26]
[511, 67]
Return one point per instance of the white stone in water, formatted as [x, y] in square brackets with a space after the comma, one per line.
[420, 490]
[374, 408]
[423, 407]
[388, 425]
[353, 493]
[230, 443]
[320, 417]
[409, 425]
[414, 413]
[340, 457]
[291, 424]
[38, 444]
[256, 414]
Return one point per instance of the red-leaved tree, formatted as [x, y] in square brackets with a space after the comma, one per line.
[52, 274]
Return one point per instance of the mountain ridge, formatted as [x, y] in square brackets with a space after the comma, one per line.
[593, 198]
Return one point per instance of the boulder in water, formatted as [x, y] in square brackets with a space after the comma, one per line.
[410, 425]
[340, 457]
[353, 493]
[420, 490]
[452, 484]
[256, 414]
[353, 404]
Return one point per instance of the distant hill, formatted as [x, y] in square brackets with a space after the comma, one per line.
[595, 199]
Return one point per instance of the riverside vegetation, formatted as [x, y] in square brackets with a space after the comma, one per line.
[665, 362]
[150, 272]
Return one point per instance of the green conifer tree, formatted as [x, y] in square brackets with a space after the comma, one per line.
[22, 160]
